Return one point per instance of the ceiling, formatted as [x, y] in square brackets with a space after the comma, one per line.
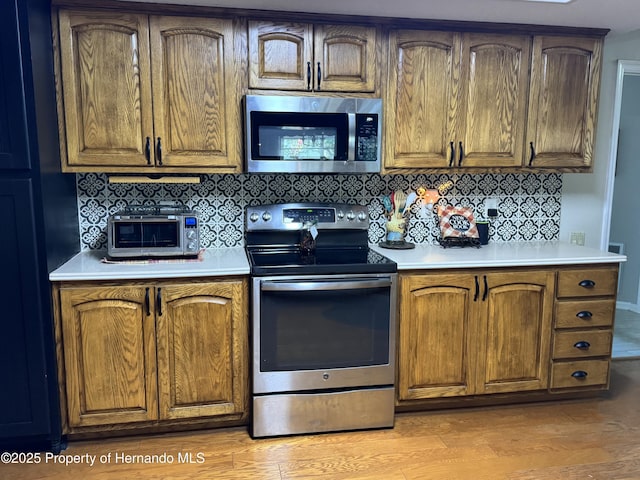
[621, 16]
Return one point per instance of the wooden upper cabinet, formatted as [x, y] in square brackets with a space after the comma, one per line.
[196, 114]
[423, 98]
[115, 121]
[496, 82]
[202, 349]
[106, 84]
[456, 100]
[109, 355]
[300, 56]
[565, 82]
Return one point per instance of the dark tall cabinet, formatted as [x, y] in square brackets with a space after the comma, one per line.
[38, 229]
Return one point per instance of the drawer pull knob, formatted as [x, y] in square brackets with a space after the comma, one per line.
[580, 374]
[582, 345]
[584, 315]
[587, 283]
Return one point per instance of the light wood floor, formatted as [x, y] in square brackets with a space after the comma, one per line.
[587, 439]
[626, 334]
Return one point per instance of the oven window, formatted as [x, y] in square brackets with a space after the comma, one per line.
[299, 136]
[314, 330]
[146, 234]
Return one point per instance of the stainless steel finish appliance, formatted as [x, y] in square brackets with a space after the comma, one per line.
[153, 231]
[323, 321]
[312, 134]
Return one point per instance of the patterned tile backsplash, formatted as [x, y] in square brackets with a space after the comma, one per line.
[528, 204]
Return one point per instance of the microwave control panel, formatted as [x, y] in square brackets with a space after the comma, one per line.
[366, 137]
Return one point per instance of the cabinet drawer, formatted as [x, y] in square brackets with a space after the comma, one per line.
[588, 282]
[581, 373]
[585, 313]
[585, 343]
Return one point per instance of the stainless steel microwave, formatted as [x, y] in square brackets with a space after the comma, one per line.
[153, 231]
[312, 134]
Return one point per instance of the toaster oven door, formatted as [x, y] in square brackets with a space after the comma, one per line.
[145, 237]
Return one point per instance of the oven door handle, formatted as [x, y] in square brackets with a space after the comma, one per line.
[306, 286]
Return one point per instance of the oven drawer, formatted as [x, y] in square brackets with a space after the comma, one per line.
[581, 373]
[583, 343]
[293, 413]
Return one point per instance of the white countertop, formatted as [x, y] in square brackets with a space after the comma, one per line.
[515, 254]
[88, 265]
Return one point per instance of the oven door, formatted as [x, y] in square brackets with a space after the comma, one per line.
[323, 332]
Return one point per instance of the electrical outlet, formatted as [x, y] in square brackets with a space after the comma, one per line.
[577, 238]
[491, 207]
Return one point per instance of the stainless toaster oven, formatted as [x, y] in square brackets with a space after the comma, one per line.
[153, 231]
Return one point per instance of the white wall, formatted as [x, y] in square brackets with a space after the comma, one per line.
[625, 227]
[585, 197]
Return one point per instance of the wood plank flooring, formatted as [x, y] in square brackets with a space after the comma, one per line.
[587, 439]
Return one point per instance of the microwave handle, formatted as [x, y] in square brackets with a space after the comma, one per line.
[351, 144]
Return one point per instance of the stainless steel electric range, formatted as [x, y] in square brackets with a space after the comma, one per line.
[323, 320]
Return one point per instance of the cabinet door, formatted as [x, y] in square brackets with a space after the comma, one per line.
[435, 356]
[513, 350]
[565, 80]
[195, 104]
[109, 355]
[496, 81]
[14, 152]
[202, 345]
[280, 55]
[344, 58]
[423, 97]
[24, 405]
[106, 84]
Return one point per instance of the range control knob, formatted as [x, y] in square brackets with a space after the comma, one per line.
[254, 217]
[191, 234]
[351, 215]
[191, 246]
[362, 216]
[266, 216]
[340, 214]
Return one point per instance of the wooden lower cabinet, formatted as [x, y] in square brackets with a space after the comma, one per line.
[474, 332]
[585, 308]
[152, 353]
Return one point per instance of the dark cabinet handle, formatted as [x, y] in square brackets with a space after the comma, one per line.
[146, 299]
[159, 152]
[533, 153]
[584, 315]
[308, 75]
[582, 345]
[477, 294]
[581, 374]
[159, 301]
[147, 150]
[486, 289]
[319, 76]
[587, 284]
[460, 153]
[453, 154]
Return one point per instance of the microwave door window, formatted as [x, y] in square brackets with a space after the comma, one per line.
[298, 143]
[299, 136]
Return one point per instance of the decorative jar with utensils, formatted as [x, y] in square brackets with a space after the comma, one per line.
[396, 206]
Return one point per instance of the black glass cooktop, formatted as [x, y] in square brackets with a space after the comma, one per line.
[275, 261]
